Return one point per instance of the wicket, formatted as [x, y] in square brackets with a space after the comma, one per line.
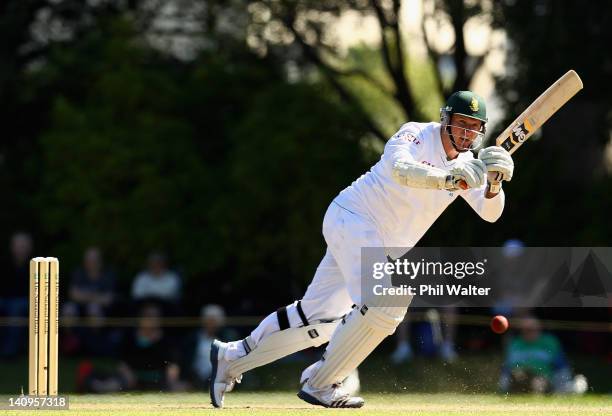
[44, 325]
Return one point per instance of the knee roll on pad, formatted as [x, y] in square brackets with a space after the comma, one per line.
[358, 335]
[385, 319]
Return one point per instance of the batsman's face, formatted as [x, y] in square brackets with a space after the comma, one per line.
[467, 131]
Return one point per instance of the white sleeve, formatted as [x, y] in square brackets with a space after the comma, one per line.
[401, 156]
[405, 145]
[489, 209]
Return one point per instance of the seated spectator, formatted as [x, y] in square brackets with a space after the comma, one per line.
[535, 363]
[157, 282]
[14, 293]
[197, 354]
[92, 287]
[91, 295]
[147, 360]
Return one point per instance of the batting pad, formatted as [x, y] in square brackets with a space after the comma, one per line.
[359, 334]
[280, 344]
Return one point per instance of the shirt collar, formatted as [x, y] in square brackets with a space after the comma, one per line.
[440, 152]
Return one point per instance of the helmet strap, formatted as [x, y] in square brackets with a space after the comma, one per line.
[452, 140]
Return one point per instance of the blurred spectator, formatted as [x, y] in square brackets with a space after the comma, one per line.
[14, 294]
[509, 281]
[92, 287]
[91, 295]
[157, 282]
[147, 361]
[535, 363]
[198, 345]
[435, 336]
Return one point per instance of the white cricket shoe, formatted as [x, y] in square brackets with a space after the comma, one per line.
[331, 396]
[220, 381]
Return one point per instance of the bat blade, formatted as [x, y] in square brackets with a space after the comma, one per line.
[547, 104]
[530, 120]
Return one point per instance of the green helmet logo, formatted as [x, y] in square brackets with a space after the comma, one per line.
[474, 105]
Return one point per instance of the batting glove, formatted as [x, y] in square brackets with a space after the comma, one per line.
[472, 172]
[499, 163]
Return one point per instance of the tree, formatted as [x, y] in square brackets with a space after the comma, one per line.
[573, 143]
[290, 157]
[29, 30]
[219, 161]
[300, 30]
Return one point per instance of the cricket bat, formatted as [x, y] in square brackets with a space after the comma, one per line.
[530, 120]
[547, 104]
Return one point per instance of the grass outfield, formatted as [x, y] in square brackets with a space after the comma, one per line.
[288, 404]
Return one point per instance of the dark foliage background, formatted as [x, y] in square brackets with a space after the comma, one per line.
[227, 158]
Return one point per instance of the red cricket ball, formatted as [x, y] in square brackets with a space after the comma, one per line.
[499, 324]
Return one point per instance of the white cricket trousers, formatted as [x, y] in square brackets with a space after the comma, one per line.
[336, 285]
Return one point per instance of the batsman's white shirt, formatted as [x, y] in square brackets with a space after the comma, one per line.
[403, 214]
[377, 211]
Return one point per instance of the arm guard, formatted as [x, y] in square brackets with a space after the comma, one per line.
[418, 175]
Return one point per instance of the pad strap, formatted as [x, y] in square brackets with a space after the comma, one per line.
[301, 313]
[283, 318]
[248, 344]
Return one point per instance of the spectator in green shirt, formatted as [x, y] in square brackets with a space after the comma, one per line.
[535, 362]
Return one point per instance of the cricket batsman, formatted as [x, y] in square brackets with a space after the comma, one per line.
[424, 167]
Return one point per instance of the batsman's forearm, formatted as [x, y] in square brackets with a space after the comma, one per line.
[492, 205]
[419, 175]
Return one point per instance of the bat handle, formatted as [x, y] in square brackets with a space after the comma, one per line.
[453, 183]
